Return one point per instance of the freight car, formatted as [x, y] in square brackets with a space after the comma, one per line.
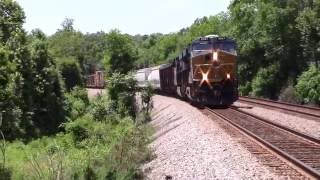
[205, 72]
[95, 80]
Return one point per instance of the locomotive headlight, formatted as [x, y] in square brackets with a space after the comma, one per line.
[205, 76]
[215, 56]
[228, 76]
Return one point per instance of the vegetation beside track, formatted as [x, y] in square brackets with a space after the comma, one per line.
[49, 128]
[101, 139]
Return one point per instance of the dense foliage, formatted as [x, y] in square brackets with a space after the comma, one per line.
[32, 95]
[58, 134]
[94, 145]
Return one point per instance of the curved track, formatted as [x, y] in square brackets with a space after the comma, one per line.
[301, 150]
[298, 109]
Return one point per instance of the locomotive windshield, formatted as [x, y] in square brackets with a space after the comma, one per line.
[215, 44]
[202, 46]
[228, 46]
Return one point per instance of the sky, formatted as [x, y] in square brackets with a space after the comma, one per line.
[129, 16]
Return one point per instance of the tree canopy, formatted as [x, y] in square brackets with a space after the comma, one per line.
[120, 54]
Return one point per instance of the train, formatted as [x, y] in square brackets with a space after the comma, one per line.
[204, 72]
[95, 80]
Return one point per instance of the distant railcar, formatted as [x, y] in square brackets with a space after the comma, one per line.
[205, 72]
[95, 80]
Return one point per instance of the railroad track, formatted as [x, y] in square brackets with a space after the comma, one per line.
[294, 108]
[295, 148]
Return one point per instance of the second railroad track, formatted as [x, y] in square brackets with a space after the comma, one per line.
[296, 148]
[313, 112]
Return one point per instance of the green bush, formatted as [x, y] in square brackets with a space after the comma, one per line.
[264, 83]
[77, 102]
[79, 128]
[308, 85]
[102, 108]
[121, 90]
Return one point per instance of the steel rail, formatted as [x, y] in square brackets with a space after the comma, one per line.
[265, 102]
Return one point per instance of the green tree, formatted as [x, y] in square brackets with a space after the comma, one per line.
[67, 25]
[94, 47]
[120, 55]
[10, 103]
[71, 72]
[11, 19]
[66, 47]
[308, 23]
[267, 34]
[49, 100]
[16, 75]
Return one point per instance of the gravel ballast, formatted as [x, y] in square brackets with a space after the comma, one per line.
[304, 125]
[189, 145]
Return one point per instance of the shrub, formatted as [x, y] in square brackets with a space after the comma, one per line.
[78, 101]
[264, 83]
[102, 108]
[106, 150]
[79, 128]
[308, 85]
[122, 89]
